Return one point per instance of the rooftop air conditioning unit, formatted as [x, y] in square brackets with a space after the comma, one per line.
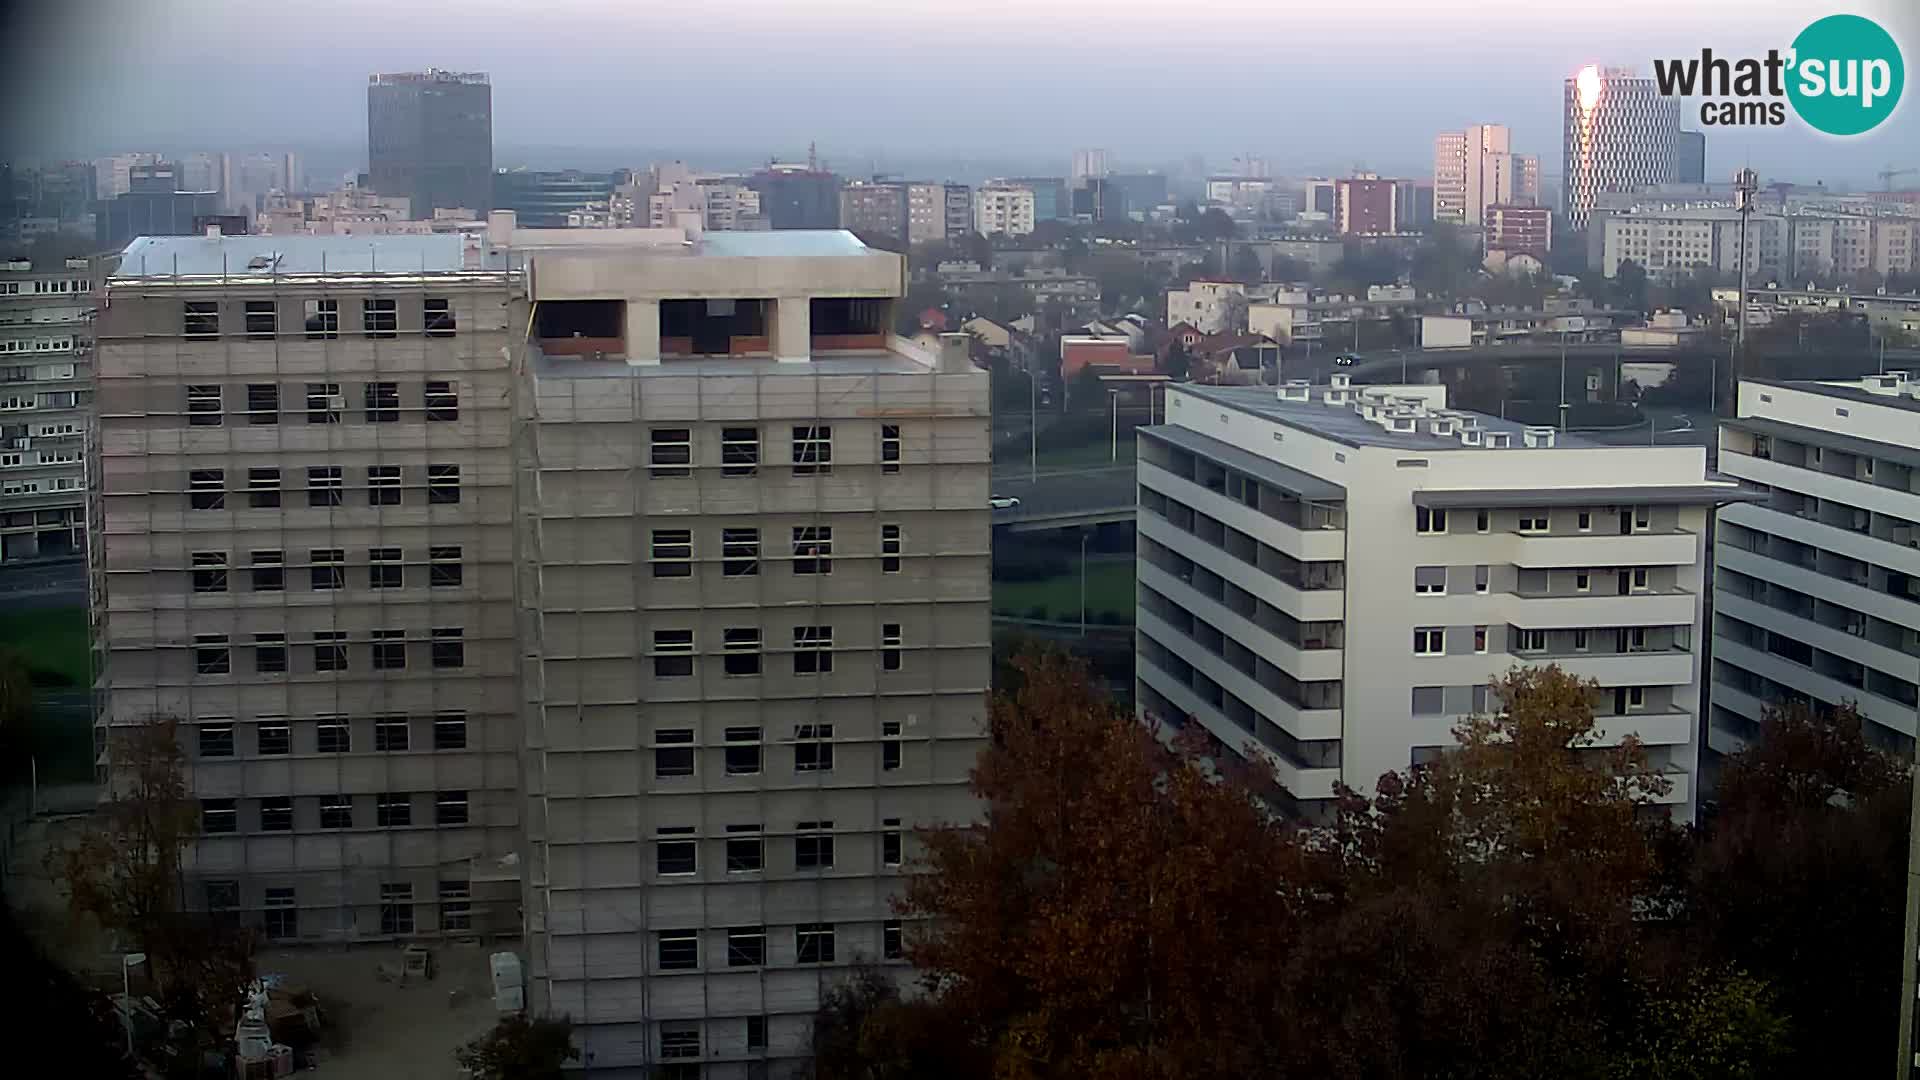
[1442, 426]
[1470, 436]
[1336, 397]
[1537, 437]
[1296, 390]
[1340, 381]
[1499, 440]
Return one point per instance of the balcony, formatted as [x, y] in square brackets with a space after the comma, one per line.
[1857, 493]
[1652, 607]
[1654, 667]
[1881, 710]
[1307, 545]
[1302, 780]
[1301, 721]
[1306, 664]
[1320, 604]
[1580, 551]
[1655, 728]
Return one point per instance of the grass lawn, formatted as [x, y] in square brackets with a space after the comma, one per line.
[1109, 589]
[52, 642]
[1090, 454]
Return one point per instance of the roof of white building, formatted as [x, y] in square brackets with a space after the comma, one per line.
[214, 256]
[1342, 424]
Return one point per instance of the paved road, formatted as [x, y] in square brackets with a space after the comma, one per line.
[43, 585]
[1089, 491]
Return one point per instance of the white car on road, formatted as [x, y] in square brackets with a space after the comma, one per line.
[1002, 502]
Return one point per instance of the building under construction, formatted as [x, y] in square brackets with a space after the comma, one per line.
[619, 587]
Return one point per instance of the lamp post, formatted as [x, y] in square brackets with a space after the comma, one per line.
[127, 963]
[1033, 420]
[1114, 397]
[1083, 582]
[1563, 380]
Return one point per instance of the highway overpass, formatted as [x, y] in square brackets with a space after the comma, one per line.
[1063, 498]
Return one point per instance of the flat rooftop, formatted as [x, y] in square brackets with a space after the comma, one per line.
[1341, 424]
[254, 256]
[1844, 391]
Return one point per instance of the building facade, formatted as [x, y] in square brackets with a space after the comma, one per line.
[1817, 585]
[1519, 229]
[1003, 208]
[877, 207]
[1619, 133]
[542, 200]
[1690, 162]
[1792, 244]
[1088, 164]
[1052, 198]
[797, 197]
[430, 139]
[1330, 577]
[1368, 206]
[153, 205]
[1477, 168]
[46, 362]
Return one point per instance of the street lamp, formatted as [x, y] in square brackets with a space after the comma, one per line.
[1114, 397]
[1083, 582]
[1563, 380]
[127, 963]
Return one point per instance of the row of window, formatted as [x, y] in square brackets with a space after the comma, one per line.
[44, 286]
[379, 318]
[1432, 640]
[332, 735]
[327, 570]
[213, 653]
[675, 756]
[1432, 580]
[672, 551]
[46, 399]
[673, 650]
[281, 915]
[813, 943]
[391, 810]
[746, 848]
[670, 450]
[326, 486]
[325, 403]
[1431, 521]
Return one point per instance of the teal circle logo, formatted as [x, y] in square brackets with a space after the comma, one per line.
[1847, 75]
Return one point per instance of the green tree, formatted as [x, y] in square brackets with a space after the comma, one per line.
[1711, 1026]
[1246, 266]
[519, 1048]
[1630, 286]
[1177, 364]
[1216, 224]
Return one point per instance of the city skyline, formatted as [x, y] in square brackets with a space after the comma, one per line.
[824, 66]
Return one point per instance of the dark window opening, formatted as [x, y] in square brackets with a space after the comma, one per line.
[581, 327]
[716, 327]
[849, 317]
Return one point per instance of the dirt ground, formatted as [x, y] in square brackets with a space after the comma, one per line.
[376, 1030]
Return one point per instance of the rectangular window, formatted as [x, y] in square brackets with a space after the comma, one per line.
[219, 816]
[263, 403]
[672, 553]
[889, 549]
[813, 748]
[328, 569]
[813, 845]
[389, 650]
[1429, 641]
[390, 733]
[209, 571]
[1480, 579]
[739, 552]
[676, 858]
[1582, 640]
[1584, 521]
[261, 319]
[450, 731]
[1479, 639]
[812, 450]
[812, 650]
[384, 569]
[336, 812]
[673, 753]
[1636, 639]
[263, 488]
[456, 905]
[383, 485]
[382, 402]
[891, 945]
[890, 748]
[207, 489]
[211, 655]
[323, 319]
[1482, 521]
[813, 943]
[1636, 697]
[743, 751]
[813, 549]
[1533, 521]
[396, 907]
[1582, 581]
[746, 946]
[200, 319]
[333, 735]
[450, 808]
[442, 400]
[329, 650]
[1639, 579]
[443, 483]
[672, 654]
[270, 654]
[1429, 700]
[1429, 580]
[379, 316]
[273, 737]
[890, 651]
[756, 1033]
[889, 448]
[216, 740]
[1643, 515]
[393, 810]
[223, 895]
[679, 1039]
[672, 452]
[739, 451]
[325, 486]
[325, 403]
[443, 566]
[1429, 521]
[890, 842]
[1530, 641]
[436, 316]
[679, 951]
[741, 650]
[276, 815]
[449, 648]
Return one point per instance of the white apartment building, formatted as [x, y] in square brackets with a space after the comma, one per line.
[1207, 304]
[46, 366]
[1477, 168]
[1792, 244]
[1330, 576]
[1003, 208]
[1817, 585]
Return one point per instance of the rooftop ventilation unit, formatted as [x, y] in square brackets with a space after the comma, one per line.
[1441, 425]
[1537, 437]
[1340, 381]
[1296, 390]
[1336, 396]
[1470, 436]
[1499, 440]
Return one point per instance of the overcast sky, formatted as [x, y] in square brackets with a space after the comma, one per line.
[1310, 86]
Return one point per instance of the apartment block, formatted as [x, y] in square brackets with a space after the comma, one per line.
[304, 553]
[1329, 577]
[755, 617]
[1817, 585]
[1003, 208]
[46, 363]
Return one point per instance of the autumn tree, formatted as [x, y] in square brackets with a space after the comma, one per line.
[520, 1048]
[1119, 909]
[865, 1030]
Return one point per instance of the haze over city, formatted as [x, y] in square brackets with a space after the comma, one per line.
[1312, 89]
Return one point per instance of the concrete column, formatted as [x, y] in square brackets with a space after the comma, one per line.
[643, 331]
[792, 329]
